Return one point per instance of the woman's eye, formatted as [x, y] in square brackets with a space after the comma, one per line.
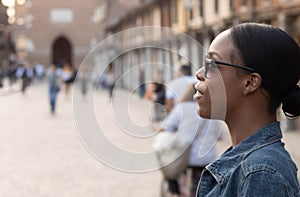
[210, 64]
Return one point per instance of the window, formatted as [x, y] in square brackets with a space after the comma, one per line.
[60, 15]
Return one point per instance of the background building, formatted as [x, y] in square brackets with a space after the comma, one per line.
[202, 20]
[7, 47]
[54, 31]
[194, 20]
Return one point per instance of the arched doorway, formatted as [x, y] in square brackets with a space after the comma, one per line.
[61, 51]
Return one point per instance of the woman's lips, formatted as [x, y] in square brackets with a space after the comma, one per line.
[199, 91]
[198, 95]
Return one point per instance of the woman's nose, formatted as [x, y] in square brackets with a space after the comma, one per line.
[200, 74]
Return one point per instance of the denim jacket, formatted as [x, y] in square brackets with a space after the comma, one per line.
[258, 166]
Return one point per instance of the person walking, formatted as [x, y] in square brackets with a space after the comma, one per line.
[39, 70]
[110, 80]
[66, 76]
[260, 68]
[142, 85]
[158, 99]
[53, 87]
[26, 73]
[84, 84]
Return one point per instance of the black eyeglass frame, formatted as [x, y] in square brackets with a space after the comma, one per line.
[210, 61]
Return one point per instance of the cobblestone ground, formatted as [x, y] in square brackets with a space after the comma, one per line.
[42, 155]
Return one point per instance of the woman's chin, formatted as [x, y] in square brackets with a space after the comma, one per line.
[203, 114]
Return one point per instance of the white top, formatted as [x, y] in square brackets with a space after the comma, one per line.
[185, 120]
[176, 87]
[66, 75]
[110, 79]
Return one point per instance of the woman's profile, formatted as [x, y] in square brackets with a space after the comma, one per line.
[260, 67]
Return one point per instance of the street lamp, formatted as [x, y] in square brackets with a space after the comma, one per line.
[8, 3]
[10, 11]
[21, 2]
[11, 20]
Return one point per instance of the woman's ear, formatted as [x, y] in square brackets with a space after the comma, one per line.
[251, 83]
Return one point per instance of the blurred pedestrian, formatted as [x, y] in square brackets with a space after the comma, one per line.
[25, 73]
[142, 85]
[110, 80]
[39, 70]
[54, 87]
[66, 76]
[158, 98]
[101, 82]
[184, 119]
[149, 90]
[12, 69]
[1, 77]
[83, 79]
[260, 68]
[176, 87]
[11, 73]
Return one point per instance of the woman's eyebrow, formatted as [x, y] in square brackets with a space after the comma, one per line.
[212, 53]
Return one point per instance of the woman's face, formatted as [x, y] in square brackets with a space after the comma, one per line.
[218, 93]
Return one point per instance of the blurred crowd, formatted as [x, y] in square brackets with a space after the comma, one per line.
[175, 111]
[21, 74]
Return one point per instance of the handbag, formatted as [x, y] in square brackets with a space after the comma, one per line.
[173, 152]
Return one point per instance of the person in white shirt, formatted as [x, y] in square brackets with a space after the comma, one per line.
[204, 133]
[176, 87]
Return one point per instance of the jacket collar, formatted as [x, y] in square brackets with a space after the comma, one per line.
[233, 156]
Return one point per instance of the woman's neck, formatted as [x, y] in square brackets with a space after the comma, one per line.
[245, 124]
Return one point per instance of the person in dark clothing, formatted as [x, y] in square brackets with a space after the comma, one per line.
[158, 98]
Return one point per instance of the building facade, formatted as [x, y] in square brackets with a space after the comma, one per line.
[53, 31]
[194, 20]
[199, 20]
[6, 45]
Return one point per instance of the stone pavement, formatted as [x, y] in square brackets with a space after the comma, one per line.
[42, 154]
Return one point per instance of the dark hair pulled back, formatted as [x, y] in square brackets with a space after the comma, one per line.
[276, 57]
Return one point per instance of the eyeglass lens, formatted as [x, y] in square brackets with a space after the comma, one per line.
[209, 64]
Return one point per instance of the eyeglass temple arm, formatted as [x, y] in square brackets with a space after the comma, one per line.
[233, 65]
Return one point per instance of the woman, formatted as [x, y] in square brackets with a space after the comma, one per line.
[185, 120]
[260, 68]
[67, 77]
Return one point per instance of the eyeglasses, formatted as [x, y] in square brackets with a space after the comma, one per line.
[212, 64]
